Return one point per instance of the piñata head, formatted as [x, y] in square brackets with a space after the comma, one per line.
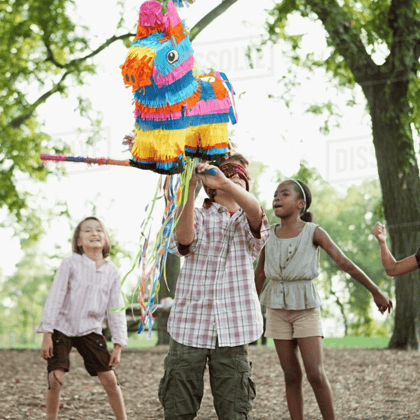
[177, 114]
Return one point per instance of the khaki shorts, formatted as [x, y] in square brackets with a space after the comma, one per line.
[182, 386]
[283, 324]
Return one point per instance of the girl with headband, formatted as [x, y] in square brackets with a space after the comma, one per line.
[290, 260]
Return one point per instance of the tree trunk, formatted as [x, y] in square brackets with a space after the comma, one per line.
[399, 178]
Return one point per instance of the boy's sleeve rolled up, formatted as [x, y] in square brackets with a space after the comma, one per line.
[255, 245]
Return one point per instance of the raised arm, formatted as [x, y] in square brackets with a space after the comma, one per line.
[247, 203]
[393, 267]
[322, 239]
[185, 228]
[259, 272]
[242, 197]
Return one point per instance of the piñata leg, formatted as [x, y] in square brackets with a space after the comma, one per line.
[159, 150]
[214, 140]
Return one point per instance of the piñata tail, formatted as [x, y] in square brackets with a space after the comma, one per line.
[177, 114]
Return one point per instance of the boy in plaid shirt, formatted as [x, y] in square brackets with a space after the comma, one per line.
[216, 312]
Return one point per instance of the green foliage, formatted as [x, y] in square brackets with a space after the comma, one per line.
[331, 111]
[44, 51]
[256, 169]
[38, 39]
[369, 43]
[22, 298]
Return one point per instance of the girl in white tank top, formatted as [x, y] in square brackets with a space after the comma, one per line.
[290, 260]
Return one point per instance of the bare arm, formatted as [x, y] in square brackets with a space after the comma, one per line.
[47, 346]
[242, 197]
[259, 272]
[116, 355]
[391, 265]
[185, 228]
[247, 203]
[322, 239]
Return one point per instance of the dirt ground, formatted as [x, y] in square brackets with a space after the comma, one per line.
[367, 384]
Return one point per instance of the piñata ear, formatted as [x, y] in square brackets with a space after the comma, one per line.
[171, 17]
[174, 28]
[150, 19]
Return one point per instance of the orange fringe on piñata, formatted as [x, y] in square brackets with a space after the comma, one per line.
[188, 102]
[177, 32]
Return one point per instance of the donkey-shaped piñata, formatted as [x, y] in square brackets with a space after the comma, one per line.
[177, 114]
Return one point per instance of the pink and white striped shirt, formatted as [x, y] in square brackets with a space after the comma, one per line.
[215, 294]
[81, 296]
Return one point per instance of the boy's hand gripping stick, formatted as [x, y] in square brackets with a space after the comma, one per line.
[211, 172]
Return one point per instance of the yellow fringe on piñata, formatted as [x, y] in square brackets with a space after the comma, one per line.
[212, 136]
[169, 144]
[162, 144]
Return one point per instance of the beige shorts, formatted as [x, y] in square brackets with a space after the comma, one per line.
[283, 324]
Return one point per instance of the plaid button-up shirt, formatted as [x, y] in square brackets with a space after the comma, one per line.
[215, 293]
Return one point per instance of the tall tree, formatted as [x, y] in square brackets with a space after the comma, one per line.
[355, 31]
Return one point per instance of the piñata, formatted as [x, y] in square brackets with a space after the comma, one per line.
[177, 114]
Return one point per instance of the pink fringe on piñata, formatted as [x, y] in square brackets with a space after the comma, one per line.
[171, 17]
[212, 106]
[175, 74]
[158, 117]
[151, 14]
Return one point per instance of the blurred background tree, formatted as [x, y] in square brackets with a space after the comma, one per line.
[373, 48]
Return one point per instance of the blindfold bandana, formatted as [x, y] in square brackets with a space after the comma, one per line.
[230, 169]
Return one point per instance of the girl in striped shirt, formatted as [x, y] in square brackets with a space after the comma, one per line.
[85, 289]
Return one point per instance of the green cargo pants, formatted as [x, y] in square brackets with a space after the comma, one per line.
[181, 388]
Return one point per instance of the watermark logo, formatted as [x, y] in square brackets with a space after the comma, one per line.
[350, 159]
[86, 144]
[240, 58]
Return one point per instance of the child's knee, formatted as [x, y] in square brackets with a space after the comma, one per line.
[293, 375]
[317, 377]
[108, 380]
[55, 379]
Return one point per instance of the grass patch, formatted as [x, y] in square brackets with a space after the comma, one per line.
[357, 342]
[136, 341]
[348, 342]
